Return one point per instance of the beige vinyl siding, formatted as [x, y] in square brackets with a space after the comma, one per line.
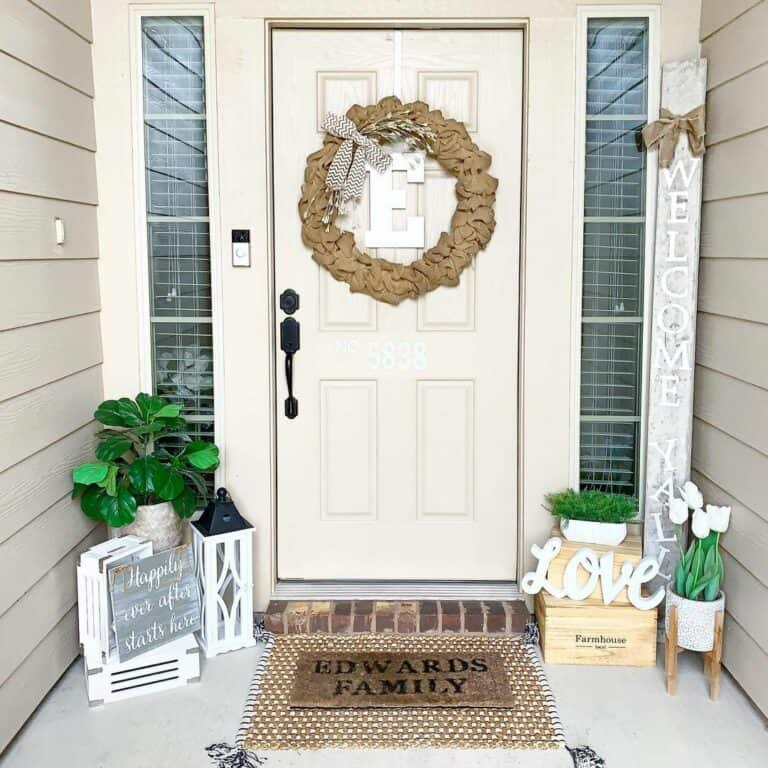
[38, 291]
[737, 167]
[45, 603]
[42, 353]
[715, 14]
[41, 480]
[39, 165]
[21, 692]
[735, 228]
[25, 228]
[730, 430]
[738, 46]
[50, 340]
[31, 99]
[35, 37]
[75, 15]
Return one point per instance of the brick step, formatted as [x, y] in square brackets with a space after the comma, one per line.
[471, 616]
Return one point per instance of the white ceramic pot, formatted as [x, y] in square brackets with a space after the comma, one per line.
[157, 522]
[695, 620]
[589, 532]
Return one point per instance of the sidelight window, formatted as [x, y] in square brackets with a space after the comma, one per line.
[178, 230]
[614, 247]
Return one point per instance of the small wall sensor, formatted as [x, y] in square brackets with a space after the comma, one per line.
[59, 227]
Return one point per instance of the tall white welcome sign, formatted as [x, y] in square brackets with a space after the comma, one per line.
[670, 394]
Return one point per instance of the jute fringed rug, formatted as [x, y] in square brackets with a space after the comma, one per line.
[474, 692]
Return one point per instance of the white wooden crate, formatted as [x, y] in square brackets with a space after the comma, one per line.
[170, 666]
[94, 612]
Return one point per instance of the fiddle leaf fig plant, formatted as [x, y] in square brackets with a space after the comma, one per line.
[133, 467]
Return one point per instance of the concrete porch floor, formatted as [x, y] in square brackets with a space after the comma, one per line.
[623, 713]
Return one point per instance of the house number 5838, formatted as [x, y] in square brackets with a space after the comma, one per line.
[403, 355]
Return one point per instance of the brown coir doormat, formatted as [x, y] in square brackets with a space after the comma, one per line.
[281, 714]
[363, 679]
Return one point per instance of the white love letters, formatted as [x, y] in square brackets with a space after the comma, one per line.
[596, 569]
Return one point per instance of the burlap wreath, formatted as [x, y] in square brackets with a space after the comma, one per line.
[472, 223]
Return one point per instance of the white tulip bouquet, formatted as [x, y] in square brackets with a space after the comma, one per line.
[699, 571]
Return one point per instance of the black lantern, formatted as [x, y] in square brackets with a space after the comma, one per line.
[221, 516]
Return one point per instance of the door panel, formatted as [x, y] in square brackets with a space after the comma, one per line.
[446, 458]
[402, 462]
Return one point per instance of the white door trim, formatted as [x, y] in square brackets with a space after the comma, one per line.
[308, 590]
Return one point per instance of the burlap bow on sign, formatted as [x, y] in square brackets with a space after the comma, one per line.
[667, 129]
[347, 172]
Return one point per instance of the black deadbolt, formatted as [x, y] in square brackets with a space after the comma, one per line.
[289, 301]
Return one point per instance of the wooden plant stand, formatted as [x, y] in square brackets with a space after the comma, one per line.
[711, 658]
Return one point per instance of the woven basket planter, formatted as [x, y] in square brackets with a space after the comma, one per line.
[157, 522]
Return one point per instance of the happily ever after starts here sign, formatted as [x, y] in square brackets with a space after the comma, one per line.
[154, 601]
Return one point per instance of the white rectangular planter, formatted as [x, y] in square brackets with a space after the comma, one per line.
[170, 666]
[93, 607]
[591, 532]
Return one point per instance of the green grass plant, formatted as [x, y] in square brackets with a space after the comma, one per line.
[595, 506]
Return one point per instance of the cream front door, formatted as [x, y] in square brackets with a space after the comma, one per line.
[402, 461]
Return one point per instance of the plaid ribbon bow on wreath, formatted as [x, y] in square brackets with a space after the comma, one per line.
[346, 176]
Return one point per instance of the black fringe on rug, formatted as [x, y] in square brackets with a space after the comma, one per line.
[259, 630]
[227, 756]
[237, 756]
[531, 634]
[585, 757]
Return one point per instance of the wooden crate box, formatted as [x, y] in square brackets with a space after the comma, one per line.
[631, 549]
[592, 633]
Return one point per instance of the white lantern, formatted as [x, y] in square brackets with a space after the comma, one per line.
[223, 555]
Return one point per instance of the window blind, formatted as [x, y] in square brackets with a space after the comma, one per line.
[177, 216]
[613, 254]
